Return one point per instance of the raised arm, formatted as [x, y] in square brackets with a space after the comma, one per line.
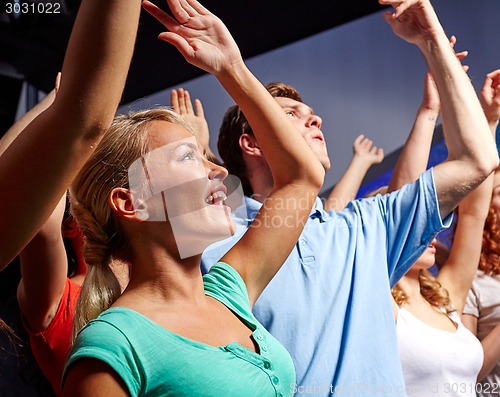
[205, 42]
[459, 270]
[472, 152]
[414, 157]
[44, 264]
[39, 165]
[365, 155]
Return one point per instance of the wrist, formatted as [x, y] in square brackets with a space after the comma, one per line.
[362, 162]
[233, 71]
[429, 112]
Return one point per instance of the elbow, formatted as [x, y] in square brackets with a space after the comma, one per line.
[313, 178]
[318, 180]
[486, 163]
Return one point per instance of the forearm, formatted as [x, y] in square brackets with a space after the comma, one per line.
[466, 131]
[25, 120]
[347, 187]
[286, 152]
[49, 152]
[491, 347]
[413, 158]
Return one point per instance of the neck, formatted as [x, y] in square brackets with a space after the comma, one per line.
[262, 182]
[411, 287]
[158, 273]
[161, 278]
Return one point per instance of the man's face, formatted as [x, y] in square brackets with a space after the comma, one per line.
[309, 126]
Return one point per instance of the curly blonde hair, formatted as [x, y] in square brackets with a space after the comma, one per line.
[124, 142]
[430, 289]
[489, 262]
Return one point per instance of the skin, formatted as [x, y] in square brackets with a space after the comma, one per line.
[166, 288]
[309, 126]
[365, 155]
[458, 270]
[76, 121]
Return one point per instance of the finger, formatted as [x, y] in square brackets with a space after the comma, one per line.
[358, 139]
[488, 81]
[198, 7]
[462, 55]
[453, 41]
[465, 68]
[174, 101]
[165, 19]
[187, 102]
[181, 10]
[182, 101]
[495, 75]
[390, 19]
[399, 10]
[199, 108]
[58, 82]
[178, 42]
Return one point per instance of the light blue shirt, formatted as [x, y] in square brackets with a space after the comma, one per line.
[330, 303]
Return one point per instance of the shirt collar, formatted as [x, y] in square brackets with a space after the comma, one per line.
[251, 207]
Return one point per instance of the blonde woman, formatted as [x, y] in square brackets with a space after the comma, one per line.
[150, 197]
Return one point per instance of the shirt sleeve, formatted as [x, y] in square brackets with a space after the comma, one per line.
[472, 303]
[410, 220]
[224, 283]
[103, 341]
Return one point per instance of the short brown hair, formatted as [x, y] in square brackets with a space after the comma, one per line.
[234, 125]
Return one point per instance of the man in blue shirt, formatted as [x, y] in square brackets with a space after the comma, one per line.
[330, 303]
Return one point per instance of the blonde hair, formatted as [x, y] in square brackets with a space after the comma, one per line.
[430, 289]
[124, 142]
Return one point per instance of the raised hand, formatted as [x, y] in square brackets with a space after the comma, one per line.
[365, 150]
[200, 36]
[413, 20]
[181, 103]
[490, 97]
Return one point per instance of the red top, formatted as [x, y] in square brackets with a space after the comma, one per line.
[51, 346]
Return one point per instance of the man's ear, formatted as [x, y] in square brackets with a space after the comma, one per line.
[249, 145]
[120, 200]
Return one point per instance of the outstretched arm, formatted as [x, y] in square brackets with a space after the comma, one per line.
[365, 155]
[39, 165]
[180, 101]
[458, 272]
[472, 151]
[44, 263]
[205, 42]
[413, 159]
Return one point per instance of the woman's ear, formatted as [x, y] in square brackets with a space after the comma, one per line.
[120, 200]
[249, 145]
